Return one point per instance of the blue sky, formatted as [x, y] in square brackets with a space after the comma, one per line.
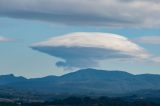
[18, 58]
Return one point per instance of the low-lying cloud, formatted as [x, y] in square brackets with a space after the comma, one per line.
[108, 13]
[84, 49]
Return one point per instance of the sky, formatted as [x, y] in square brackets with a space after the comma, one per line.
[40, 38]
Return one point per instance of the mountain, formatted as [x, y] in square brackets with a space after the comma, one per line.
[7, 79]
[85, 82]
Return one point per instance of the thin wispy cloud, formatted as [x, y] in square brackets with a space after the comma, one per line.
[5, 39]
[154, 40]
[156, 59]
[84, 49]
[108, 13]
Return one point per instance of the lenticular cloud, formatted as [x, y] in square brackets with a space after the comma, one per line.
[85, 49]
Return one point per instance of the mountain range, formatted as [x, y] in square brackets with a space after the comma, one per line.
[84, 82]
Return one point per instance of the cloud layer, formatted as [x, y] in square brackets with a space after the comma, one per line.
[84, 49]
[109, 13]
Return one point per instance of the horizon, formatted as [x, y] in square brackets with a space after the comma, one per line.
[41, 38]
[75, 71]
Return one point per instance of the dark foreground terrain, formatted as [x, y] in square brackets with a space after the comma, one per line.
[87, 101]
[86, 87]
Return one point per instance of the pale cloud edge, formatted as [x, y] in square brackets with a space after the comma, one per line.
[156, 59]
[154, 40]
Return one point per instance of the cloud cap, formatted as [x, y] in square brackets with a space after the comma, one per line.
[85, 49]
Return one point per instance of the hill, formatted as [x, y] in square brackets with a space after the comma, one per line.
[85, 82]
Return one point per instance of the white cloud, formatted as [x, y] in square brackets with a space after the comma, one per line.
[4, 39]
[149, 40]
[110, 13]
[85, 49]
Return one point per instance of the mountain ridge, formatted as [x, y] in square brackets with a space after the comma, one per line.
[82, 70]
[87, 81]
